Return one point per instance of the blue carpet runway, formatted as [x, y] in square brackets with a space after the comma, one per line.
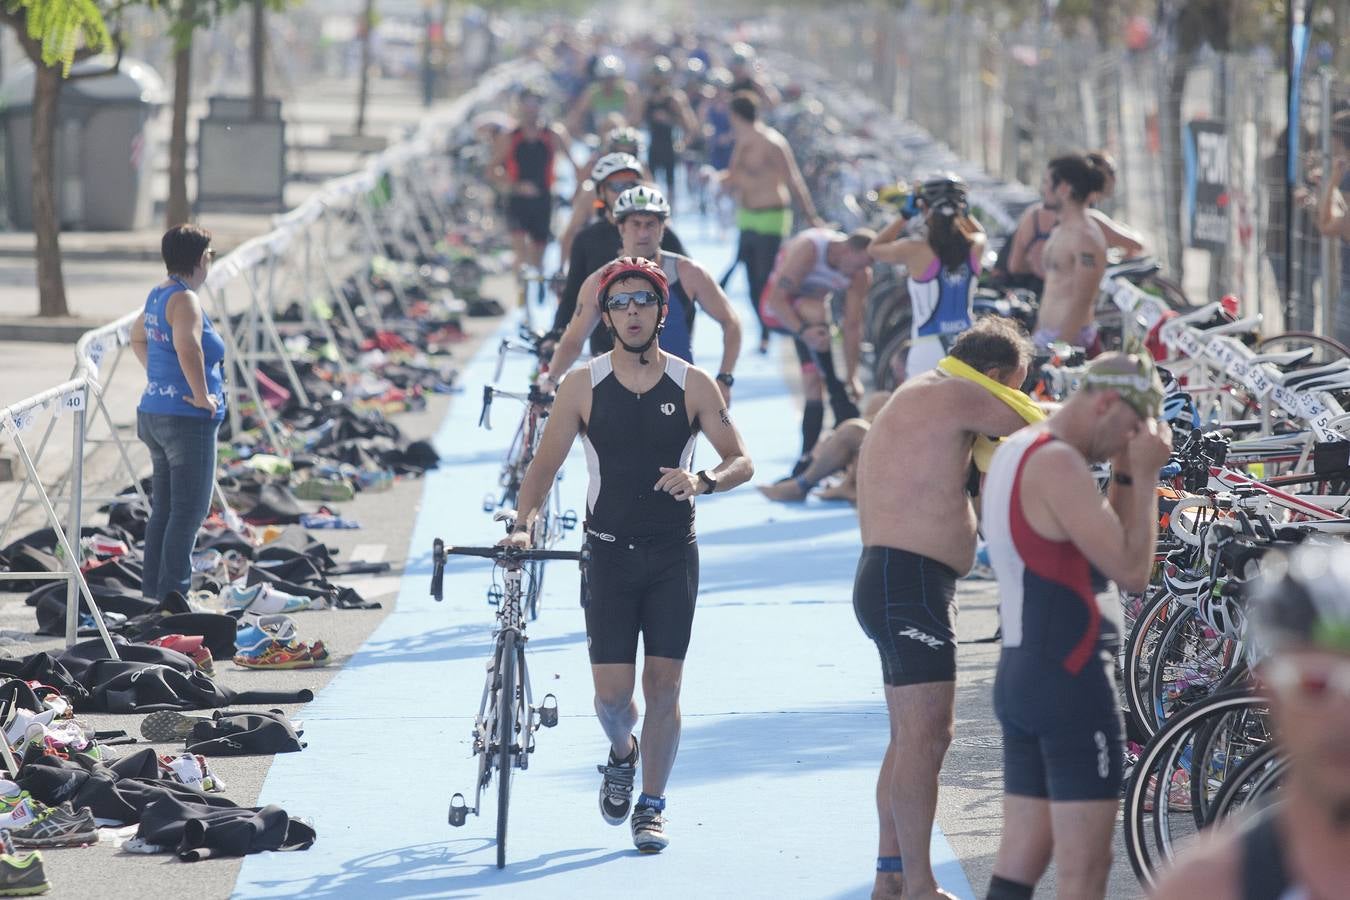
[784, 718]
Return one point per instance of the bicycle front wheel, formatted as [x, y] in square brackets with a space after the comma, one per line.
[506, 737]
[1325, 349]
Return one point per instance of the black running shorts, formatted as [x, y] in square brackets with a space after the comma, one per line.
[532, 215]
[1063, 736]
[640, 587]
[906, 603]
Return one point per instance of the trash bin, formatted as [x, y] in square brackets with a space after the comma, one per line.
[104, 151]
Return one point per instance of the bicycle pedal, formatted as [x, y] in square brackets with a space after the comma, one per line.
[548, 711]
[494, 596]
[569, 520]
[459, 810]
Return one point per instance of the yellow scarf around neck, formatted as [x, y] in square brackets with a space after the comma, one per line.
[1019, 402]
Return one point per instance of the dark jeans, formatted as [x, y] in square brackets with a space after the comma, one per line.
[183, 452]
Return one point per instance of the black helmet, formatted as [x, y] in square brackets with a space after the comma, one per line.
[945, 188]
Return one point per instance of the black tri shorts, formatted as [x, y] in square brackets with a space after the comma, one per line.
[640, 587]
[906, 603]
[532, 215]
[1063, 736]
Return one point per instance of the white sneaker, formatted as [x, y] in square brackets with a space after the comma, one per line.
[17, 728]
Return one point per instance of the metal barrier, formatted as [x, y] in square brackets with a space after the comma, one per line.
[308, 255]
[71, 397]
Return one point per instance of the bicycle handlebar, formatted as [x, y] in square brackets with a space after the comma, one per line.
[503, 556]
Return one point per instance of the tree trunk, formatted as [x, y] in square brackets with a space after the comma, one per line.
[46, 221]
[1173, 150]
[178, 210]
[363, 92]
[258, 58]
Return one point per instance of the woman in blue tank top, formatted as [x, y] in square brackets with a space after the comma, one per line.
[181, 409]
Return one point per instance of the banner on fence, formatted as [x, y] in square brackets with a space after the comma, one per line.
[1207, 184]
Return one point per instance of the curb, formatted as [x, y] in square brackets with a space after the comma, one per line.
[46, 331]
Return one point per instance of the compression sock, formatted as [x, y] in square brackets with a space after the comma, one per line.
[647, 800]
[1005, 889]
[813, 420]
[889, 864]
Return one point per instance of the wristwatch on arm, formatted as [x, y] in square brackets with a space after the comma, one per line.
[726, 378]
[709, 481]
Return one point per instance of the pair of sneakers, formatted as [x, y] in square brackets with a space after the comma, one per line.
[616, 800]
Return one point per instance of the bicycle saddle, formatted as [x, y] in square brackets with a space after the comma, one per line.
[1281, 360]
[1317, 373]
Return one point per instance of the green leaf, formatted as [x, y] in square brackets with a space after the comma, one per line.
[60, 27]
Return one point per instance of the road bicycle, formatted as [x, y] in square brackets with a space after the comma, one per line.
[504, 729]
[552, 521]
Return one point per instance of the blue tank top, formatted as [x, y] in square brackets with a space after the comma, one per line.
[167, 389]
[941, 299]
[677, 336]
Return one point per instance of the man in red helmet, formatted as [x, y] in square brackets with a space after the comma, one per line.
[638, 410]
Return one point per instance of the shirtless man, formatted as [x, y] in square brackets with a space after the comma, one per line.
[1025, 262]
[918, 532]
[764, 178]
[640, 213]
[813, 265]
[1075, 256]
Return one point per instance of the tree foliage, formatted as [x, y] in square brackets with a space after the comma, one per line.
[57, 27]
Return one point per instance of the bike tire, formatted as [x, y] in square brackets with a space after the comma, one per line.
[1266, 764]
[1138, 652]
[506, 737]
[885, 374]
[1180, 727]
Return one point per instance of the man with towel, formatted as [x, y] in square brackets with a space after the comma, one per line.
[918, 531]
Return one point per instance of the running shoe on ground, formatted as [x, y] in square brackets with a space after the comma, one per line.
[57, 826]
[262, 598]
[616, 788]
[20, 875]
[167, 726]
[272, 654]
[192, 770]
[649, 829]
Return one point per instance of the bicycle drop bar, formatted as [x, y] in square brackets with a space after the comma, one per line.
[511, 554]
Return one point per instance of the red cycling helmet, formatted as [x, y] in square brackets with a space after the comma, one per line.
[634, 267]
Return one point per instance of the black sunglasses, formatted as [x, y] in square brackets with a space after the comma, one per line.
[620, 301]
[620, 186]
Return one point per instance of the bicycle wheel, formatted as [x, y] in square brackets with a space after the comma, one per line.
[1251, 784]
[889, 367]
[1325, 349]
[1167, 290]
[1149, 797]
[1148, 628]
[506, 737]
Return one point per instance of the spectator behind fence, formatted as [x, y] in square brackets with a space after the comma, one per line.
[1307, 263]
[181, 409]
[1333, 219]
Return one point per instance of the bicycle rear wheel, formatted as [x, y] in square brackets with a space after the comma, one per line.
[506, 737]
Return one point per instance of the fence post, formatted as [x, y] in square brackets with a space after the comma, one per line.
[73, 523]
[1331, 276]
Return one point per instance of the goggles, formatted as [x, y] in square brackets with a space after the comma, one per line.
[619, 302]
[1313, 683]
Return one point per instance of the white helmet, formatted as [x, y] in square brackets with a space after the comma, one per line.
[609, 66]
[641, 199]
[615, 162]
